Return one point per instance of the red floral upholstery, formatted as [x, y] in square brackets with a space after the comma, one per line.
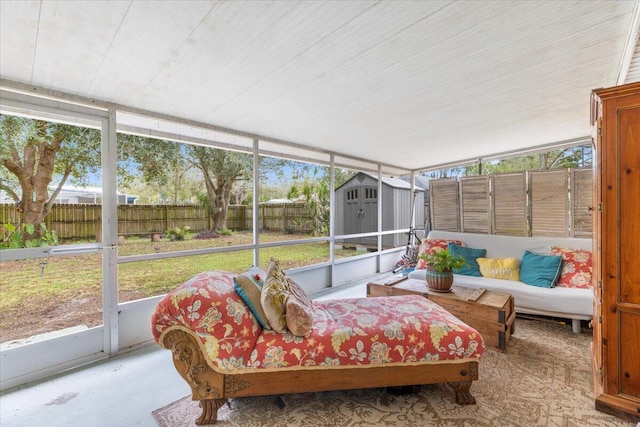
[433, 245]
[366, 331]
[577, 267]
[359, 331]
[209, 307]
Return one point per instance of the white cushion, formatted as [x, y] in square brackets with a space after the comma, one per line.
[562, 302]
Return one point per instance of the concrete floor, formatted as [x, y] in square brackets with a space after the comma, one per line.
[121, 391]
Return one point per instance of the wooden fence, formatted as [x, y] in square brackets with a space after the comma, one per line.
[83, 221]
[531, 203]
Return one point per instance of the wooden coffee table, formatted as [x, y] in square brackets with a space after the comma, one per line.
[490, 313]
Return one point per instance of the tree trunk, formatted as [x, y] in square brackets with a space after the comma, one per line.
[223, 196]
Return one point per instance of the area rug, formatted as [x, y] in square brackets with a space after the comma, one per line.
[543, 378]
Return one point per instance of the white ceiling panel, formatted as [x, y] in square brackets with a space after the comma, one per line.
[410, 84]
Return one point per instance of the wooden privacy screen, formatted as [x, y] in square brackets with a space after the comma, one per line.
[445, 213]
[510, 204]
[581, 203]
[549, 196]
[531, 203]
[476, 209]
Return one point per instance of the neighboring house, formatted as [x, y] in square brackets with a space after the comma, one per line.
[71, 194]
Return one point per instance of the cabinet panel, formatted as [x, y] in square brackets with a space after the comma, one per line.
[616, 335]
[629, 200]
[630, 354]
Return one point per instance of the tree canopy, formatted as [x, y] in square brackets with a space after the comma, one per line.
[33, 151]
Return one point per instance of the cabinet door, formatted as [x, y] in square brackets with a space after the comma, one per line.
[628, 301]
[598, 386]
[620, 269]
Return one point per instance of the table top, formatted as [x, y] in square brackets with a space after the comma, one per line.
[470, 295]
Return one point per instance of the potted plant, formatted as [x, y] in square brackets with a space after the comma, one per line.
[439, 269]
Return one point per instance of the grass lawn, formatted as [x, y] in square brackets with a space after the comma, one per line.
[68, 290]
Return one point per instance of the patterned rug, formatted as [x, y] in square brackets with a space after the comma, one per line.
[544, 378]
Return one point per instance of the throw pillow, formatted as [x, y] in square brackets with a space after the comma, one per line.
[274, 297]
[470, 255]
[299, 311]
[249, 286]
[540, 270]
[577, 267]
[499, 268]
[433, 245]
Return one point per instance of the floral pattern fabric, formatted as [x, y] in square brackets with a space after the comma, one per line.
[577, 267]
[359, 331]
[429, 246]
[208, 306]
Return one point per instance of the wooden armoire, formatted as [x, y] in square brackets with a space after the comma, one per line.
[616, 322]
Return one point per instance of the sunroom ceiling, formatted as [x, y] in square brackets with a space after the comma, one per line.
[413, 84]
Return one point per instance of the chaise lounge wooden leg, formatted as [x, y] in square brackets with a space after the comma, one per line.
[210, 411]
[463, 395]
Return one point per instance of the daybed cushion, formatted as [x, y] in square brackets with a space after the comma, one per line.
[365, 331]
[527, 298]
[208, 307]
[360, 331]
[557, 301]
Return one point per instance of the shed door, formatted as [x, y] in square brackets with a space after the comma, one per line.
[361, 212]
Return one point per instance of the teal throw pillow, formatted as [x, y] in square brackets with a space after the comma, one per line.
[470, 255]
[249, 286]
[540, 270]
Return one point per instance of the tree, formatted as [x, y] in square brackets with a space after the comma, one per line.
[32, 152]
[220, 170]
[572, 157]
[161, 163]
[316, 190]
[317, 195]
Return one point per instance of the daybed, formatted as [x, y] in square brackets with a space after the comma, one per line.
[222, 351]
[572, 298]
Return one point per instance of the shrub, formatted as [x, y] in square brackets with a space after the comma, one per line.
[206, 234]
[177, 233]
[25, 236]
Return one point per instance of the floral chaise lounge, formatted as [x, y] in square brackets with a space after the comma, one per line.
[221, 349]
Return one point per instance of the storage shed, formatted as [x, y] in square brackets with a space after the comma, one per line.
[356, 204]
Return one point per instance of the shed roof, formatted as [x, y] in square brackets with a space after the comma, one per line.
[388, 181]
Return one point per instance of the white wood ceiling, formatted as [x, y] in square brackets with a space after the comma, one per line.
[405, 83]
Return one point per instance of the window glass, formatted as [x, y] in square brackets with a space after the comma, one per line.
[356, 198]
[294, 198]
[143, 279]
[294, 256]
[181, 196]
[50, 198]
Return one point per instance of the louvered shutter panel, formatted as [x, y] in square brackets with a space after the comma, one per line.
[509, 204]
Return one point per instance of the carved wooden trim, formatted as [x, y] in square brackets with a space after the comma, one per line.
[190, 363]
[233, 384]
[209, 411]
[463, 394]
[212, 388]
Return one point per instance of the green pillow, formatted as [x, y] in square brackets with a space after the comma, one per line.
[471, 267]
[540, 270]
